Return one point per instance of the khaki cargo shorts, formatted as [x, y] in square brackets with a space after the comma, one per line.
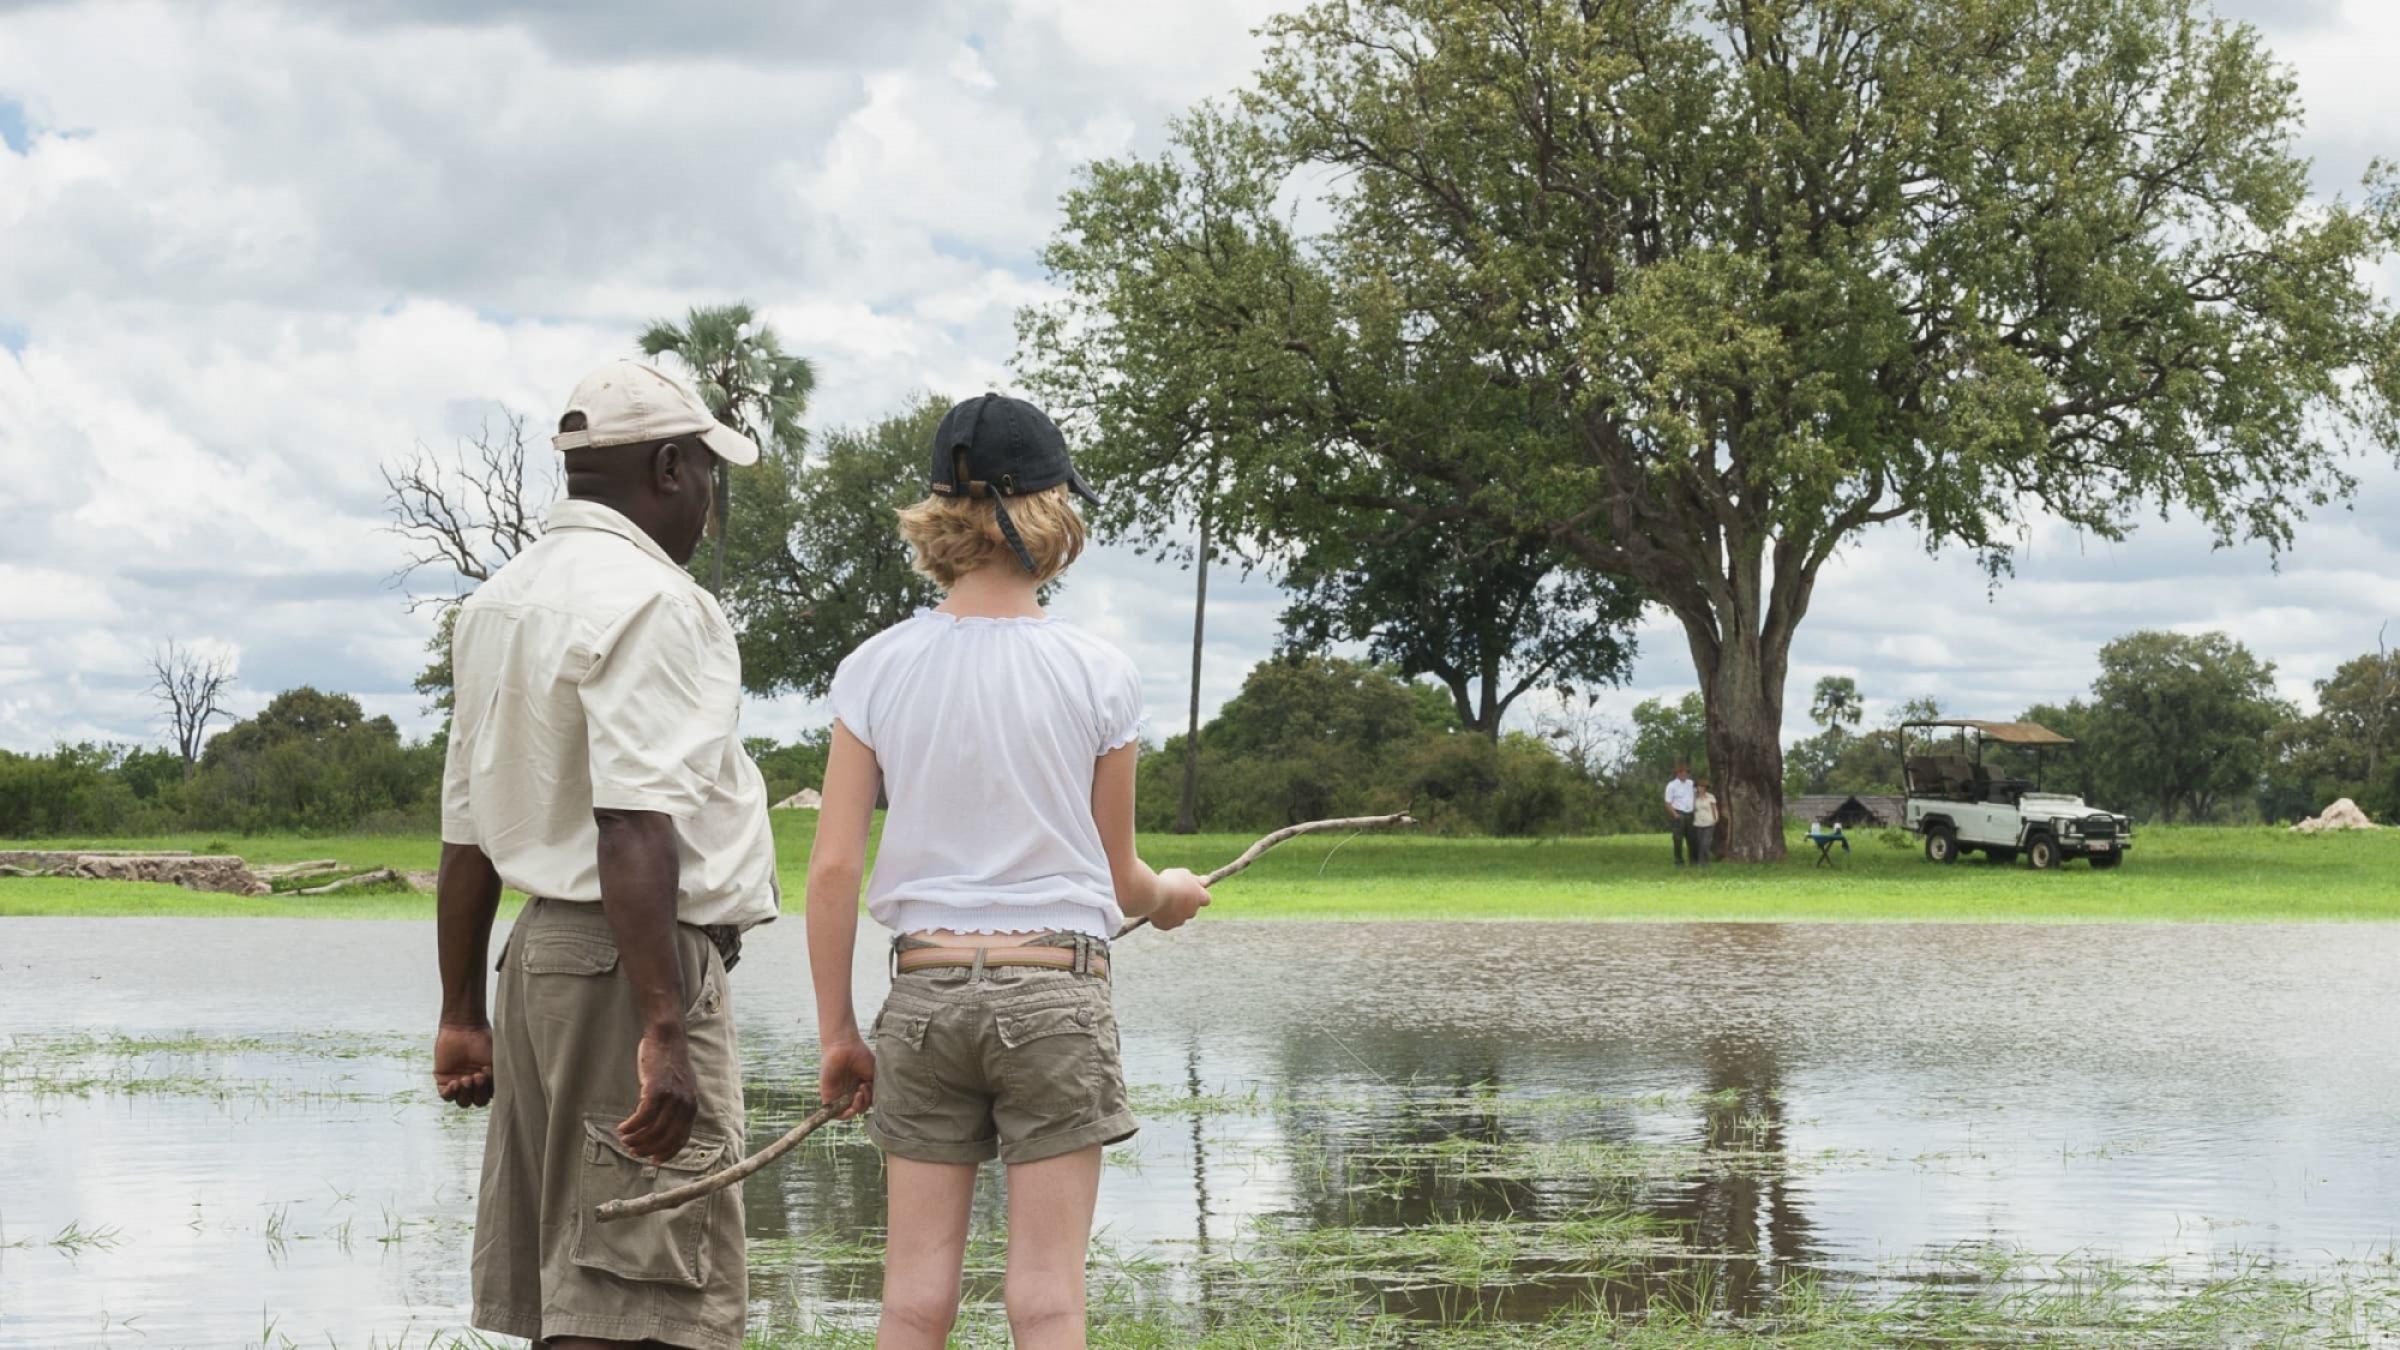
[563, 1076]
[1013, 1062]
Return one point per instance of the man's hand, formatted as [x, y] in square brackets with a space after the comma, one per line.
[462, 1064]
[1180, 896]
[662, 1123]
[847, 1064]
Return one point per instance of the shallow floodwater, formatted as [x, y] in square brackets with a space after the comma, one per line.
[219, 1131]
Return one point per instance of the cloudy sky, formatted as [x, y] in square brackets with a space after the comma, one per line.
[250, 252]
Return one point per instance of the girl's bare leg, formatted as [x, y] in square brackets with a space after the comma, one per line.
[930, 1204]
[1049, 1236]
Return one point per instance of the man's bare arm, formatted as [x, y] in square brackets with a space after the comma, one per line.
[465, 899]
[639, 875]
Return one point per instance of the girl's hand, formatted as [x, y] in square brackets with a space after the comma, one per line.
[1180, 896]
[847, 1064]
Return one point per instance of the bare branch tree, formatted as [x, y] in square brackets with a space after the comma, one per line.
[189, 689]
[1596, 746]
[467, 518]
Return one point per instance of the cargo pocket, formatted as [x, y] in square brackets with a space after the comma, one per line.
[903, 1071]
[1053, 1054]
[557, 953]
[663, 1248]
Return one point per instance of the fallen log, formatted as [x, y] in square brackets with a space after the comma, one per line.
[375, 878]
[285, 871]
[679, 1196]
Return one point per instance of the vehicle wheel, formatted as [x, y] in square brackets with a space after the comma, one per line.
[1941, 844]
[2000, 854]
[2102, 862]
[2041, 852]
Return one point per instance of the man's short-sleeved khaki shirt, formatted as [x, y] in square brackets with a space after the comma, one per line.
[592, 673]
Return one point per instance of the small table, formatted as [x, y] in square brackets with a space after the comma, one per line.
[1825, 840]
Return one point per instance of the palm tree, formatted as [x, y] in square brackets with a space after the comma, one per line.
[738, 364]
[1837, 705]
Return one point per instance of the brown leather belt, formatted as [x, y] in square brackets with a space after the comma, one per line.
[1048, 958]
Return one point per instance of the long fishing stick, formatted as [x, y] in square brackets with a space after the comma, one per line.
[611, 1210]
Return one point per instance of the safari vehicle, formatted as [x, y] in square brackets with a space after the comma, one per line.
[1961, 806]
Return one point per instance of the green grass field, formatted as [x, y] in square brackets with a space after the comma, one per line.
[2188, 873]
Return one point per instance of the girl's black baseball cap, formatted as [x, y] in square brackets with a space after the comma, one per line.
[999, 447]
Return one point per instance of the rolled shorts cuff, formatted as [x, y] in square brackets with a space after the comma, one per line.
[930, 1150]
[663, 1330]
[1114, 1128]
[523, 1322]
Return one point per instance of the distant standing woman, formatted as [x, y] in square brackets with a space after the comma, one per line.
[1704, 824]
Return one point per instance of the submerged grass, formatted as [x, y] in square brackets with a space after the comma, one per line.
[2174, 873]
[287, 1071]
[2241, 1300]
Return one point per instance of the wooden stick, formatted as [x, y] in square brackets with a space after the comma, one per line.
[609, 1211]
[1251, 854]
[612, 1210]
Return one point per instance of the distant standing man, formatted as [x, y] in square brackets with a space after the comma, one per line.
[1705, 819]
[595, 764]
[1679, 808]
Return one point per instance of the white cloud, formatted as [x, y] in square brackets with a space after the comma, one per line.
[30, 595]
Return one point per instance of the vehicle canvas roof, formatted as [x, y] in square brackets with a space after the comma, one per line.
[2007, 733]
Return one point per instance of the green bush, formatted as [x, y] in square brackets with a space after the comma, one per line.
[85, 789]
[1310, 737]
[313, 762]
[789, 768]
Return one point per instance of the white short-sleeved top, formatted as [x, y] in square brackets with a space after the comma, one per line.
[988, 732]
[591, 672]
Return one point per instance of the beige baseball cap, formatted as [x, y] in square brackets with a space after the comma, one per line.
[628, 402]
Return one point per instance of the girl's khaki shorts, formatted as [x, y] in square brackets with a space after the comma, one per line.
[1012, 1062]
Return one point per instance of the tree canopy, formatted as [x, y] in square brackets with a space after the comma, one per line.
[818, 565]
[1490, 619]
[2179, 722]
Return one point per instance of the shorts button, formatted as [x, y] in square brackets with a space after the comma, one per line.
[1084, 1015]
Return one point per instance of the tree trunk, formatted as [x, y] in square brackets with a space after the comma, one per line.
[1745, 756]
[1489, 708]
[1478, 705]
[1187, 814]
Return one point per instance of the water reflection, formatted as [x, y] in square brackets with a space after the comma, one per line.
[1439, 1122]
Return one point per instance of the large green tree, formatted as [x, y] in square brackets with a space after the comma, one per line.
[1491, 618]
[2179, 722]
[752, 385]
[1759, 275]
[818, 564]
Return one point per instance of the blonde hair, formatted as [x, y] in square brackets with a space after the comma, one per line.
[952, 536]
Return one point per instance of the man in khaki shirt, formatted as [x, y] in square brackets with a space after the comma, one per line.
[595, 764]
